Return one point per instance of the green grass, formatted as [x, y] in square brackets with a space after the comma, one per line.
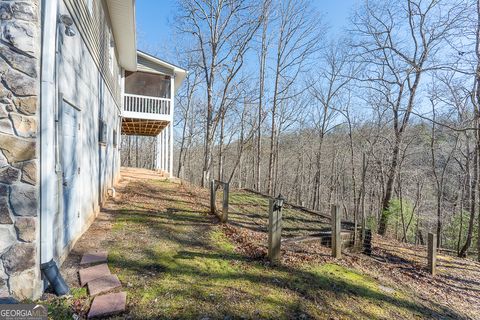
[175, 264]
[251, 211]
[246, 198]
[193, 282]
[64, 307]
[188, 270]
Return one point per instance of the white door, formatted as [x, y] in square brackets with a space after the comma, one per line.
[70, 127]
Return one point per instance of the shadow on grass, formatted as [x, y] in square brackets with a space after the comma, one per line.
[313, 286]
[474, 285]
[250, 226]
[450, 266]
[152, 216]
[213, 270]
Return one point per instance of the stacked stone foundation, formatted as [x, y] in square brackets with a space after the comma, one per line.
[19, 177]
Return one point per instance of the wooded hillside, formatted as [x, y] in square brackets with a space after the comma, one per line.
[382, 119]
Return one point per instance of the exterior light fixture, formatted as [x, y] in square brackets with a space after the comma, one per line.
[68, 23]
[277, 206]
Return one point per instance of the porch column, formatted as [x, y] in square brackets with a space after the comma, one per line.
[162, 153]
[165, 149]
[172, 103]
[159, 151]
[170, 166]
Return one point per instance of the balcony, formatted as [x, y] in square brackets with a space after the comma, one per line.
[144, 115]
[145, 107]
[147, 104]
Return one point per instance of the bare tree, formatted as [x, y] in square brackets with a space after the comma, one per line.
[475, 98]
[222, 31]
[186, 105]
[399, 41]
[298, 38]
[439, 170]
[355, 126]
[327, 88]
[261, 93]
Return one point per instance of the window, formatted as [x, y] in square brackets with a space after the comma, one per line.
[114, 138]
[102, 132]
[147, 84]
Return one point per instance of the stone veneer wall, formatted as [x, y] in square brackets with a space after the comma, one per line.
[19, 115]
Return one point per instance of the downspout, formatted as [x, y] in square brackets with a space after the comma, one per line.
[48, 124]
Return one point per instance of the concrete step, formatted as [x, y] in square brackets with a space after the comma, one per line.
[103, 284]
[94, 257]
[92, 273]
[107, 305]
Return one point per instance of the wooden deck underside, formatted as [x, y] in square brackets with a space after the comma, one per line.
[142, 127]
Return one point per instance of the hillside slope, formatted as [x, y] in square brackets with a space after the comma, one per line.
[175, 261]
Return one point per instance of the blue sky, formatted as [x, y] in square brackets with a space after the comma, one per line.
[154, 21]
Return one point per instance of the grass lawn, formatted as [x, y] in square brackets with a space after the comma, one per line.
[251, 210]
[175, 262]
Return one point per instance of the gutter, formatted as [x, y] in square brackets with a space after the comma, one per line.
[48, 146]
[47, 128]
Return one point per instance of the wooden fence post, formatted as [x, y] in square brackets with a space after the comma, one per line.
[432, 253]
[367, 242]
[212, 197]
[225, 202]
[274, 232]
[336, 233]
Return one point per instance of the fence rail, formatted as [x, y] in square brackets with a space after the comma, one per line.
[351, 236]
[293, 206]
[145, 104]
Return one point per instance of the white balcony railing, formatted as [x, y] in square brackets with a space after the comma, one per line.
[143, 107]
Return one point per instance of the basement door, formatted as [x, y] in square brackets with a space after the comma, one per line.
[70, 128]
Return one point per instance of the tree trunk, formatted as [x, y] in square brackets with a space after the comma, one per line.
[207, 156]
[473, 191]
[382, 226]
[129, 157]
[263, 59]
[181, 155]
[136, 151]
[273, 133]
[462, 197]
[476, 102]
[220, 147]
[477, 98]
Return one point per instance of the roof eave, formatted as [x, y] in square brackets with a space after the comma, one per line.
[179, 73]
[159, 61]
[122, 16]
[179, 77]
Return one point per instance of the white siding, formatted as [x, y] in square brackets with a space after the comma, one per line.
[81, 84]
[148, 66]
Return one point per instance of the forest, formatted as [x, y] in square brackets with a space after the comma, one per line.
[381, 118]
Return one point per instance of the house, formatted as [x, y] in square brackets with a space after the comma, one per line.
[72, 81]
